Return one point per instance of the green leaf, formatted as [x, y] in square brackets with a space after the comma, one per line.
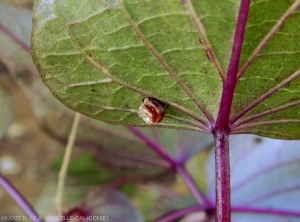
[85, 167]
[101, 58]
[112, 146]
[147, 48]
[267, 97]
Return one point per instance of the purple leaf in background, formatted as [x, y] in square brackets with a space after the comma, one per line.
[265, 179]
[104, 203]
[15, 34]
[181, 144]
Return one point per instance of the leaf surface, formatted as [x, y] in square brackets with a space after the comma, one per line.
[101, 58]
[266, 100]
[147, 48]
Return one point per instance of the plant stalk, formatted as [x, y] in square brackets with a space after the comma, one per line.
[58, 199]
[222, 164]
[222, 129]
[22, 202]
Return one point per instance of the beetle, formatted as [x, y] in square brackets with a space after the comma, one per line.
[151, 110]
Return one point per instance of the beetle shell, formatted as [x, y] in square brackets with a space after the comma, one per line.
[151, 111]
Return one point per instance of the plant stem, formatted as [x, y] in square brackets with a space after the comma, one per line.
[223, 205]
[231, 76]
[64, 167]
[222, 129]
[176, 214]
[23, 203]
[174, 164]
[17, 40]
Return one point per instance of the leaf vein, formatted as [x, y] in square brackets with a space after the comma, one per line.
[201, 30]
[268, 37]
[265, 96]
[165, 65]
[264, 123]
[266, 113]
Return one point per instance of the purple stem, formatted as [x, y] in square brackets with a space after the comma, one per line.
[22, 202]
[221, 131]
[154, 146]
[231, 77]
[223, 205]
[13, 37]
[173, 165]
[201, 199]
[176, 214]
